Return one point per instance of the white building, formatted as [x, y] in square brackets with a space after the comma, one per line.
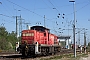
[64, 40]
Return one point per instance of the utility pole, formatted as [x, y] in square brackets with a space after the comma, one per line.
[79, 36]
[83, 33]
[74, 27]
[68, 34]
[16, 27]
[79, 30]
[84, 38]
[20, 25]
[44, 20]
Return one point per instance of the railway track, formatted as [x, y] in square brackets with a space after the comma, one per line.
[15, 56]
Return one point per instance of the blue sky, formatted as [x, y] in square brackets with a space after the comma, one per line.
[33, 11]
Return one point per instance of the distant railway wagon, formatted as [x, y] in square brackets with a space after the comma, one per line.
[72, 46]
[38, 40]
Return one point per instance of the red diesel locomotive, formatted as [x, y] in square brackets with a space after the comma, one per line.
[38, 40]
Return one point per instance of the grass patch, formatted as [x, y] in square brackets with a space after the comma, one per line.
[54, 57]
[66, 57]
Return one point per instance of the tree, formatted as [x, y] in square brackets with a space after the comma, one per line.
[7, 40]
[12, 38]
[3, 34]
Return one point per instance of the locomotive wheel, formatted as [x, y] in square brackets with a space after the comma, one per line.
[23, 53]
[24, 50]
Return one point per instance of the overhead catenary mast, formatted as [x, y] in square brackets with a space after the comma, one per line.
[44, 20]
[20, 24]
